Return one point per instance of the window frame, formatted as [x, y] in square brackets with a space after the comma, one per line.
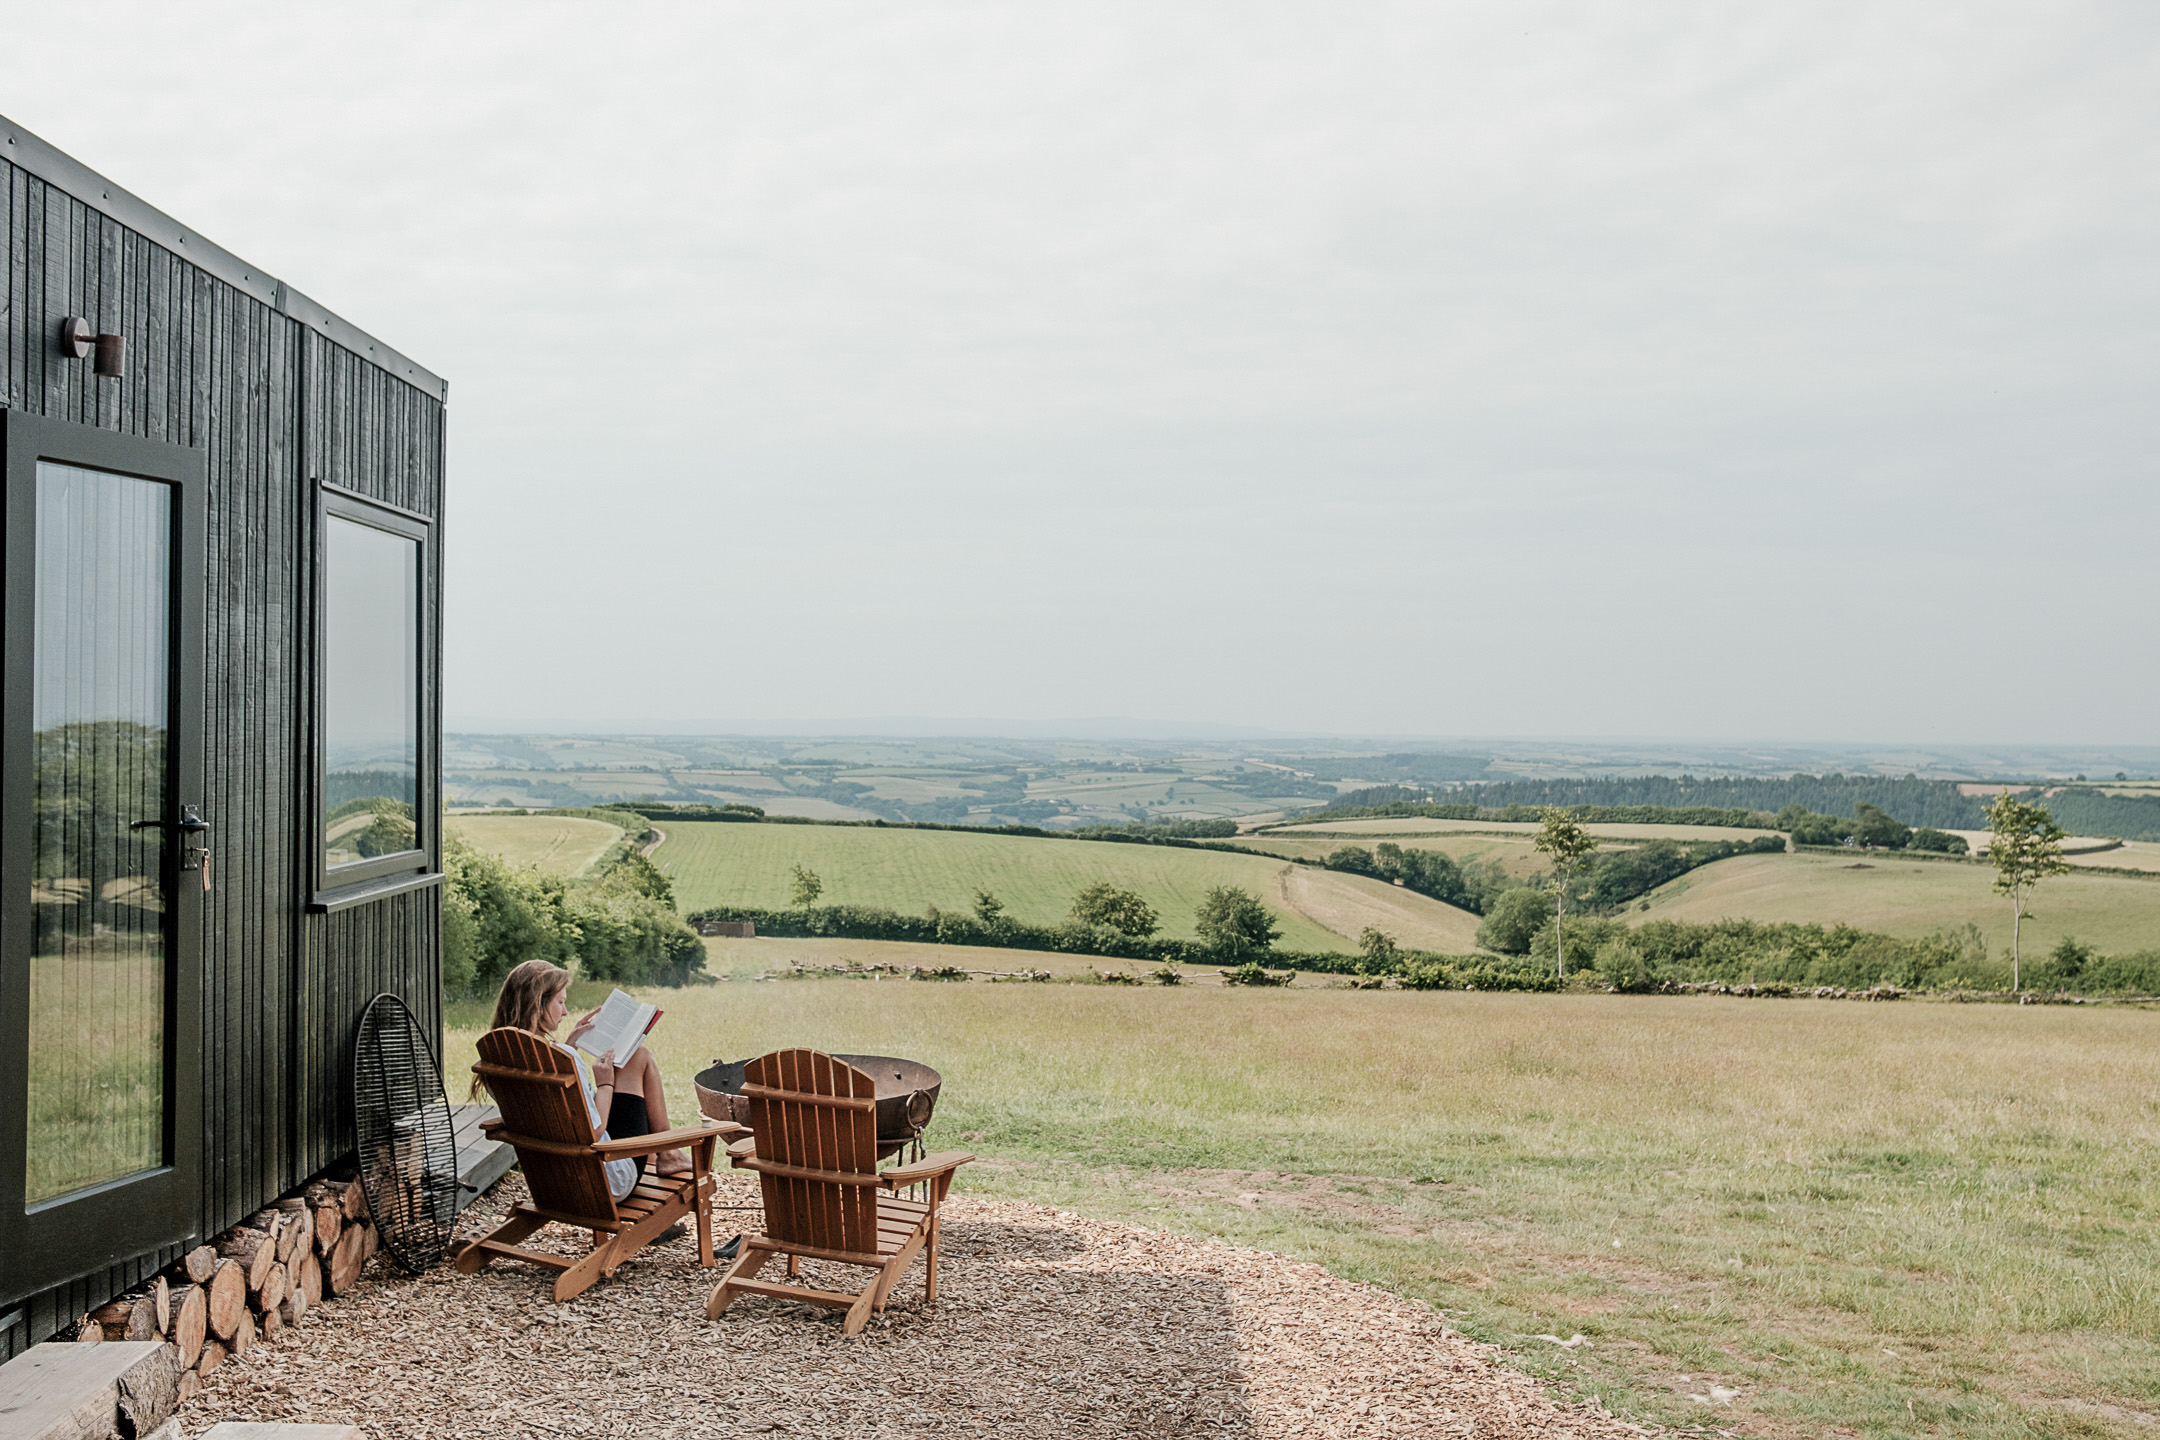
[341, 886]
[91, 1230]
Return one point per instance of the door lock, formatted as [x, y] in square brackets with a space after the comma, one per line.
[193, 854]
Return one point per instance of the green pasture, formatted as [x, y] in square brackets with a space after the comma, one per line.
[1517, 856]
[1875, 1220]
[1403, 829]
[2113, 913]
[560, 844]
[906, 870]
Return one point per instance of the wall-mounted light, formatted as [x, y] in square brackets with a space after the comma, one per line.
[78, 340]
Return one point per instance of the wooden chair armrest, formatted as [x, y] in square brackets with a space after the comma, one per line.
[927, 1168]
[743, 1149]
[489, 1127]
[674, 1139]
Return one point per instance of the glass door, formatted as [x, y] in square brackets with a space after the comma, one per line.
[104, 898]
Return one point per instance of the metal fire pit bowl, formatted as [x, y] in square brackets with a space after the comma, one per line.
[907, 1093]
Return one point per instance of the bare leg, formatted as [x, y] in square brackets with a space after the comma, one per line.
[642, 1074]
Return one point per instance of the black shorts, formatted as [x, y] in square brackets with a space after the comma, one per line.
[626, 1120]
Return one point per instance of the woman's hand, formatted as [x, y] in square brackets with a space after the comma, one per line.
[603, 1070]
[584, 1023]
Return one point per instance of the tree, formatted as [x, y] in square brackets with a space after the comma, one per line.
[1569, 846]
[1878, 829]
[807, 886]
[1514, 920]
[386, 835]
[988, 908]
[1115, 909]
[1234, 924]
[1379, 954]
[2026, 849]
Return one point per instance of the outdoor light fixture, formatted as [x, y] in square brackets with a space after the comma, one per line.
[77, 339]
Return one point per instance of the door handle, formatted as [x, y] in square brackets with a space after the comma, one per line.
[190, 825]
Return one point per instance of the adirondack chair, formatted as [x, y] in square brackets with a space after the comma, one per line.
[544, 1119]
[813, 1142]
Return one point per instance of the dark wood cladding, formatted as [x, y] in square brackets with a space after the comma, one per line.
[277, 406]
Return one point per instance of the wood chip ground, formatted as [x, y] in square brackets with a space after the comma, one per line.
[1047, 1324]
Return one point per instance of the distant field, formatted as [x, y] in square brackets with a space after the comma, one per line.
[2129, 855]
[1398, 829]
[1912, 898]
[906, 870]
[1514, 853]
[1347, 904]
[559, 844]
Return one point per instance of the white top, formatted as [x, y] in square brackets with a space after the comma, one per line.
[622, 1173]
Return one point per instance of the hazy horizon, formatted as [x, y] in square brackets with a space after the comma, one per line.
[1532, 370]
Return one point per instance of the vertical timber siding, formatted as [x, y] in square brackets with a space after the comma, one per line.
[276, 406]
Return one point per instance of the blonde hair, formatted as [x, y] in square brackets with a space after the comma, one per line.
[523, 1001]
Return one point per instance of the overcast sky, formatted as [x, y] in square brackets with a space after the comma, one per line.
[1661, 369]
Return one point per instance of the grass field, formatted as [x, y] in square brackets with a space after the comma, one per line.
[906, 870]
[1515, 853]
[560, 844]
[1880, 1220]
[1366, 832]
[1912, 898]
[2130, 855]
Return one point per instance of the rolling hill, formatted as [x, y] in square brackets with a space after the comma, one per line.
[1873, 891]
[906, 870]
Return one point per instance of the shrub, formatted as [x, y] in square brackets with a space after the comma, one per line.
[1622, 964]
[1235, 925]
[497, 915]
[1114, 909]
[1515, 920]
[1251, 973]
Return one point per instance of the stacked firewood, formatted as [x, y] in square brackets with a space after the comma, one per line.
[248, 1286]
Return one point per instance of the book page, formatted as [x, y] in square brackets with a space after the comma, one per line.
[619, 1027]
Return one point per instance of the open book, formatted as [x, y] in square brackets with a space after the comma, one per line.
[620, 1027]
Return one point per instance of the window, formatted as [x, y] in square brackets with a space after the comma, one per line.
[376, 797]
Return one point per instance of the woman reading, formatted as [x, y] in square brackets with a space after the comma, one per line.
[623, 1101]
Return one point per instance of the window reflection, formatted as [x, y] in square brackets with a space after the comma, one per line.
[98, 706]
[371, 692]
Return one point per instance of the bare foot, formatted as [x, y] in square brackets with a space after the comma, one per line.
[671, 1162]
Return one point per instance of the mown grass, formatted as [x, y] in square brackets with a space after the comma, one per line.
[1896, 1219]
[2114, 913]
[561, 844]
[907, 870]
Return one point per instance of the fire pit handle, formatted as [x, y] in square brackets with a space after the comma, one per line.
[919, 1106]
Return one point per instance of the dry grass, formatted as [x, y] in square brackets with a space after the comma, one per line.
[560, 844]
[1346, 904]
[1912, 897]
[1839, 1210]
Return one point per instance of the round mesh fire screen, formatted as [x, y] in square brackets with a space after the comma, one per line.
[407, 1143]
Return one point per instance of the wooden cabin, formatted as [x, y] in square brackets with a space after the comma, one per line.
[219, 733]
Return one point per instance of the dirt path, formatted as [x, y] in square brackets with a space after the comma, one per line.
[1046, 1325]
[659, 838]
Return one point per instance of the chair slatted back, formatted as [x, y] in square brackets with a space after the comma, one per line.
[813, 1112]
[525, 1075]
